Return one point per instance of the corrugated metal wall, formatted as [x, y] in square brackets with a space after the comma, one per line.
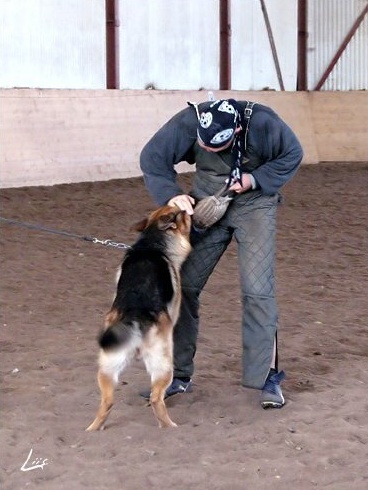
[52, 43]
[174, 44]
[253, 67]
[165, 44]
[169, 44]
[329, 21]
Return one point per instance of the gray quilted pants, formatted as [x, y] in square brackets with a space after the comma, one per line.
[251, 220]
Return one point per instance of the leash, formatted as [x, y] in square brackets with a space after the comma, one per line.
[106, 243]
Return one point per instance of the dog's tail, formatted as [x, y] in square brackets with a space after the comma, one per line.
[121, 328]
[117, 335]
[117, 331]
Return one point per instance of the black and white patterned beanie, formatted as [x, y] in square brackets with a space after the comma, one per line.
[216, 125]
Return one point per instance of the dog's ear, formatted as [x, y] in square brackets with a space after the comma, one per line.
[140, 225]
[167, 221]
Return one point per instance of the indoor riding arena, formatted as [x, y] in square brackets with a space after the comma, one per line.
[56, 290]
[70, 180]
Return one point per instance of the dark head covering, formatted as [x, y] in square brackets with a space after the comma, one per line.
[217, 124]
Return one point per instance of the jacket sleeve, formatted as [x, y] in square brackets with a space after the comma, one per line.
[169, 146]
[280, 150]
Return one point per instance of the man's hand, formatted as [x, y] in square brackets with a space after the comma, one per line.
[246, 185]
[183, 202]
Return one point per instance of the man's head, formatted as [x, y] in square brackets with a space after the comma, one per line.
[218, 125]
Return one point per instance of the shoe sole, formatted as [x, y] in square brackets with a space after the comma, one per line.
[266, 405]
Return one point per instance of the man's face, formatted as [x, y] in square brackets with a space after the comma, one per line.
[215, 150]
[221, 148]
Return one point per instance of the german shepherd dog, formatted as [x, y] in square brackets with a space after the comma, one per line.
[146, 307]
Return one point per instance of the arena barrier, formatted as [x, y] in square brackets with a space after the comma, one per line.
[62, 136]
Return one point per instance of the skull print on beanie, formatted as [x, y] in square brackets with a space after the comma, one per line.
[217, 124]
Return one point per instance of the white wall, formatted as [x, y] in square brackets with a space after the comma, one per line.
[253, 67]
[175, 44]
[52, 43]
[169, 44]
[164, 44]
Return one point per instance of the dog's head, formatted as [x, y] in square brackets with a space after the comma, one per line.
[166, 218]
[173, 226]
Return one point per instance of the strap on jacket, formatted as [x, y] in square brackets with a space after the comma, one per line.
[247, 115]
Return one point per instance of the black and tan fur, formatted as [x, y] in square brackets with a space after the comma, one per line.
[145, 310]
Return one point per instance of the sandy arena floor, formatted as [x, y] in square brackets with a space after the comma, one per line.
[55, 291]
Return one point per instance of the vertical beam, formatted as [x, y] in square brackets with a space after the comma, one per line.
[112, 43]
[272, 44]
[225, 45]
[302, 77]
[342, 48]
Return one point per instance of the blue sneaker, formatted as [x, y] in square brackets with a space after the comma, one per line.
[271, 395]
[177, 386]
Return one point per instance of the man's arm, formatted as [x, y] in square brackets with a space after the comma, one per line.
[281, 151]
[169, 146]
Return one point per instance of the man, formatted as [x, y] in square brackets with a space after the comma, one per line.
[251, 148]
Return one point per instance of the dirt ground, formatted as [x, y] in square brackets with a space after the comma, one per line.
[55, 291]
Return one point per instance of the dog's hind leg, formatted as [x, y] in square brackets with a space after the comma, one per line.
[158, 388]
[157, 354]
[107, 388]
[112, 362]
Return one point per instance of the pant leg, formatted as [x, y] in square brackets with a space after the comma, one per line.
[207, 251]
[254, 221]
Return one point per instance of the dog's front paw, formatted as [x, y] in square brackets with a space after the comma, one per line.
[96, 425]
[169, 423]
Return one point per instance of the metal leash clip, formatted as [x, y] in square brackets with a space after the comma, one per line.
[110, 243]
